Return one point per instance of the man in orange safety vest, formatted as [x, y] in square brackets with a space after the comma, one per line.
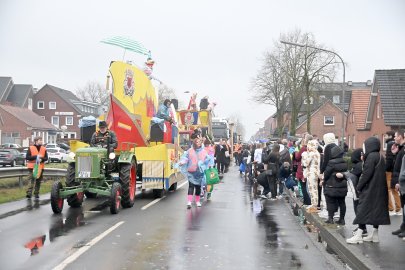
[35, 151]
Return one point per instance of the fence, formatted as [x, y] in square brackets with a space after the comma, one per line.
[21, 172]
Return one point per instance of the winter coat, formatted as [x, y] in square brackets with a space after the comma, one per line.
[311, 160]
[220, 153]
[333, 186]
[402, 177]
[389, 156]
[326, 156]
[372, 187]
[273, 161]
[397, 165]
[357, 163]
[298, 157]
[285, 156]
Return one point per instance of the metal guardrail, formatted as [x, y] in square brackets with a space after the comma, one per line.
[21, 172]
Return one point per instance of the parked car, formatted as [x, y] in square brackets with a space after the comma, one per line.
[64, 146]
[51, 145]
[10, 145]
[57, 155]
[11, 157]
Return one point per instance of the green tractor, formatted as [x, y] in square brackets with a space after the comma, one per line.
[94, 171]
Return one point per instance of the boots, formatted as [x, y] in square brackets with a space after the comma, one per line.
[329, 221]
[400, 230]
[356, 239]
[373, 237]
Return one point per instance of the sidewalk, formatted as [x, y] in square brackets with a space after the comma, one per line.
[387, 254]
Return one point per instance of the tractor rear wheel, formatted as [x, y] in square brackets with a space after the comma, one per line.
[74, 200]
[115, 198]
[128, 183]
[56, 200]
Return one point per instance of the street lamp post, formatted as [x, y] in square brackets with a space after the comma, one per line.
[343, 84]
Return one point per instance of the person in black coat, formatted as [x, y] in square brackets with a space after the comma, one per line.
[220, 157]
[272, 159]
[398, 153]
[335, 189]
[373, 193]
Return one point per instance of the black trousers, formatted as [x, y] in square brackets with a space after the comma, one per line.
[221, 167]
[191, 188]
[335, 203]
[273, 185]
[319, 193]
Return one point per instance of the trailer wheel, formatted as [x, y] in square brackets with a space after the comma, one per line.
[56, 199]
[128, 183]
[159, 193]
[74, 200]
[173, 187]
[115, 198]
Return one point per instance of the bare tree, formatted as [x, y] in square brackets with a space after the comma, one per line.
[164, 92]
[94, 92]
[269, 86]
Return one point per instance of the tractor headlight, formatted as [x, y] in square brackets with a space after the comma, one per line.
[111, 156]
[72, 155]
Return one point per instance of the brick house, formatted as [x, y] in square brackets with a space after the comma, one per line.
[21, 125]
[322, 93]
[327, 118]
[384, 109]
[19, 95]
[63, 110]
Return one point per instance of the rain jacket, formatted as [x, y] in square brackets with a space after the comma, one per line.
[187, 162]
[372, 187]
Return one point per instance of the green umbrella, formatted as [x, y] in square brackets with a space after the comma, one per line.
[127, 44]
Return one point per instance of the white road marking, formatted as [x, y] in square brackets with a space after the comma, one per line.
[83, 249]
[159, 199]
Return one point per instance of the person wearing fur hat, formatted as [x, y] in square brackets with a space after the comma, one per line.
[311, 160]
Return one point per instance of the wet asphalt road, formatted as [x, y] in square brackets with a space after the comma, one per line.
[228, 232]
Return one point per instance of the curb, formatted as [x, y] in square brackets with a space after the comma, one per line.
[347, 253]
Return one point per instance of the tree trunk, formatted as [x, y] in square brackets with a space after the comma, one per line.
[293, 124]
[308, 98]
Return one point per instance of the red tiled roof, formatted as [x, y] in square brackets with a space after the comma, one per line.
[360, 101]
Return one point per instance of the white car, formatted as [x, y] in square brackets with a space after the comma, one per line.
[51, 145]
[57, 155]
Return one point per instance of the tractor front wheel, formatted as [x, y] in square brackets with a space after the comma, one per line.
[128, 183]
[115, 198]
[56, 199]
[74, 200]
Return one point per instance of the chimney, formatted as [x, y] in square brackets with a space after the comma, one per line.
[369, 83]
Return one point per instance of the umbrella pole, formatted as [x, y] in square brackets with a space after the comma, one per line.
[125, 50]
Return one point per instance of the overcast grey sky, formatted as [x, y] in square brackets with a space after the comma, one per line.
[212, 47]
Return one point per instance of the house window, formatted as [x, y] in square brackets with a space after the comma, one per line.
[336, 99]
[55, 121]
[328, 120]
[69, 120]
[52, 105]
[40, 105]
[30, 104]
[378, 110]
[354, 141]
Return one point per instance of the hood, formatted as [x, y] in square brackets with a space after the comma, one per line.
[356, 155]
[329, 138]
[336, 152]
[312, 145]
[372, 144]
